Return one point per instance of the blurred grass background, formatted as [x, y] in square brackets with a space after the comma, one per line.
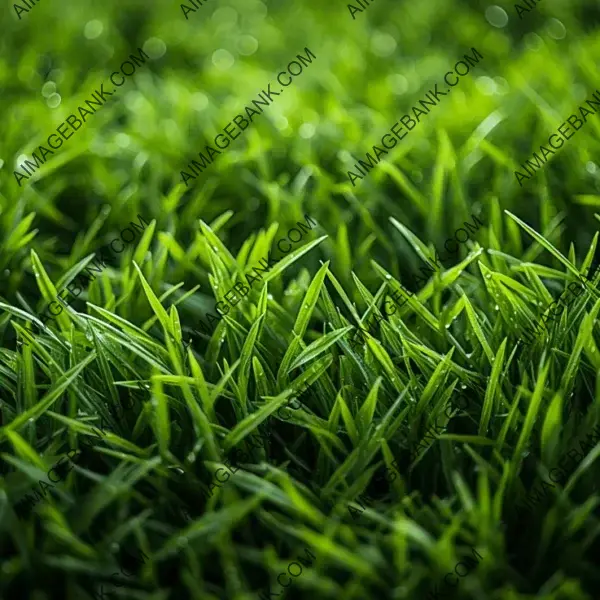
[292, 161]
[368, 73]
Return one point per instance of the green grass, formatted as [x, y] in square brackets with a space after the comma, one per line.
[417, 435]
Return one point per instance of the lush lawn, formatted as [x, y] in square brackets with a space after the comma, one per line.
[267, 377]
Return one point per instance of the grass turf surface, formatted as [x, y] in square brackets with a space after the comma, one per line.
[170, 462]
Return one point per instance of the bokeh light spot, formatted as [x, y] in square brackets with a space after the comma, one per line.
[533, 42]
[486, 85]
[383, 44]
[222, 59]
[398, 84]
[502, 86]
[122, 140]
[556, 29]
[307, 130]
[53, 100]
[225, 16]
[281, 122]
[496, 16]
[154, 47]
[199, 101]
[48, 89]
[93, 29]
[247, 45]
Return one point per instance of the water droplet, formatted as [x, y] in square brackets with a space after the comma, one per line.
[388, 276]
[496, 307]
[488, 276]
